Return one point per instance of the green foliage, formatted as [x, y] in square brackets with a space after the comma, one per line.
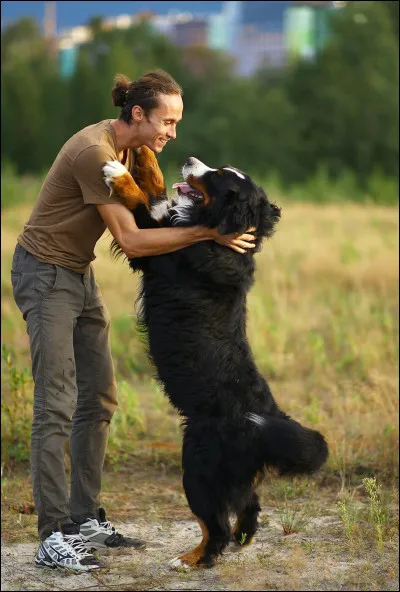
[378, 512]
[349, 96]
[129, 348]
[349, 515]
[293, 519]
[16, 410]
[327, 129]
[373, 521]
[15, 190]
[127, 426]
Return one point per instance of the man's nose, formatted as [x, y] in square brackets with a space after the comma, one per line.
[172, 133]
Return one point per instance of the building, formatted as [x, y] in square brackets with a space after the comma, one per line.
[193, 31]
[306, 29]
[266, 16]
[269, 34]
[259, 36]
[68, 48]
[257, 49]
[223, 28]
[255, 34]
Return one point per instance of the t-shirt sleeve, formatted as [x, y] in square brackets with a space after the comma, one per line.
[88, 171]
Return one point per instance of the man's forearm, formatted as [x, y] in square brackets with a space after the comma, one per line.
[158, 241]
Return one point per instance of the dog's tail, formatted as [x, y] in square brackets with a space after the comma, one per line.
[288, 446]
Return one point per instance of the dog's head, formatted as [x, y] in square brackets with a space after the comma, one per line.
[228, 199]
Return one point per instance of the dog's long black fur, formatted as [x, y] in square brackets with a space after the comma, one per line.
[194, 311]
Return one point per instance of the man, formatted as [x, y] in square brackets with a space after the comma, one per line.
[67, 321]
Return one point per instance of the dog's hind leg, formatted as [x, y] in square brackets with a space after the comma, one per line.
[246, 523]
[214, 525]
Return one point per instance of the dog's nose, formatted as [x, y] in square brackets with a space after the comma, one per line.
[190, 161]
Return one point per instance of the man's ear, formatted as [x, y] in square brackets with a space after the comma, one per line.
[137, 113]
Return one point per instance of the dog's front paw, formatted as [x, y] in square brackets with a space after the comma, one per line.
[113, 169]
[122, 185]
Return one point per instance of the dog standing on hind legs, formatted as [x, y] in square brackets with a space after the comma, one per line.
[193, 309]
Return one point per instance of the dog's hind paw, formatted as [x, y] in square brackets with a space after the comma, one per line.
[176, 563]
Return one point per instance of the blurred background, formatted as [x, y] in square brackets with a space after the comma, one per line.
[289, 90]
[301, 95]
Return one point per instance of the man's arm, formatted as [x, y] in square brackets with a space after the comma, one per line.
[138, 242]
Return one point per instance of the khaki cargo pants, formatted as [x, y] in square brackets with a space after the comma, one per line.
[75, 389]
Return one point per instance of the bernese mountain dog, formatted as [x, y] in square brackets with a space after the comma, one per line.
[193, 309]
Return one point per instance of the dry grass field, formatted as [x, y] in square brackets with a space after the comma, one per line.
[323, 326]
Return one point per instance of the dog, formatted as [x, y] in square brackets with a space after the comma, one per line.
[193, 309]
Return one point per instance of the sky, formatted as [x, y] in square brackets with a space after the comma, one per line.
[71, 13]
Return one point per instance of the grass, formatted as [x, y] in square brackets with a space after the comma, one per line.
[316, 558]
[322, 323]
[371, 524]
[293, 519]
[323, 327]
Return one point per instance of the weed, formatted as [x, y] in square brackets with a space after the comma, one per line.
[349, 514]
[282, 489]
[3, 483]
[291, 519]
[378, 513]
[127, 426]
[15, 405]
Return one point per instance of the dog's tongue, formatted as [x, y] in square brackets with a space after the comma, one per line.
[184, 187]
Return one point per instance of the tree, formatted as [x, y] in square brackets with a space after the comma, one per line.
[348, 98]
[28, 76]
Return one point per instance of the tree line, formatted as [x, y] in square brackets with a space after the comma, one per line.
[338, 111]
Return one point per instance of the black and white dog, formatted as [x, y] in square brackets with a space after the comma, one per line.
[194, 312]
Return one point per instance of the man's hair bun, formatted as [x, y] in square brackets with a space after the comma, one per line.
[119, 91]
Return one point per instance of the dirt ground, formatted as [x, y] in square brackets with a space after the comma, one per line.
[151, 505]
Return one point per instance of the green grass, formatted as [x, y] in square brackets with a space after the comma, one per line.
[322, 324]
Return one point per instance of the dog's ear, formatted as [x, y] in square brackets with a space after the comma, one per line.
[268, 215]
[238, 213]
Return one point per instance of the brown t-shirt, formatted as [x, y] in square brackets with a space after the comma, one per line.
[65, 224]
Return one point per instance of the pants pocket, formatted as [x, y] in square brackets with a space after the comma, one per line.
[46, 279]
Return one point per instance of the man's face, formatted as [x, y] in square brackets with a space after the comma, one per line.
[160, 127]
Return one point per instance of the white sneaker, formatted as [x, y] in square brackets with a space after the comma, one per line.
[100, 534]
[55, 551]
[71, 534]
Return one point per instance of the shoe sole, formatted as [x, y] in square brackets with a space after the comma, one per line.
[55, 565]
[101, 547]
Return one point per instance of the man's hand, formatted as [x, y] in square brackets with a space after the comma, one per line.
[239, 243]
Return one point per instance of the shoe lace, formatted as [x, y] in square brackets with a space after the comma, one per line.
[115, 537]
[78, 545]
[108, 526]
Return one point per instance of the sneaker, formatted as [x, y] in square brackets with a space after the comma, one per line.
[100, 534]
[71, 534]
[54, 552]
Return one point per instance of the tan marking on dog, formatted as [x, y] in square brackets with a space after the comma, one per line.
[192, 557]
[127, 191]
[197, 185]
[150, 177]
[237, 534]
